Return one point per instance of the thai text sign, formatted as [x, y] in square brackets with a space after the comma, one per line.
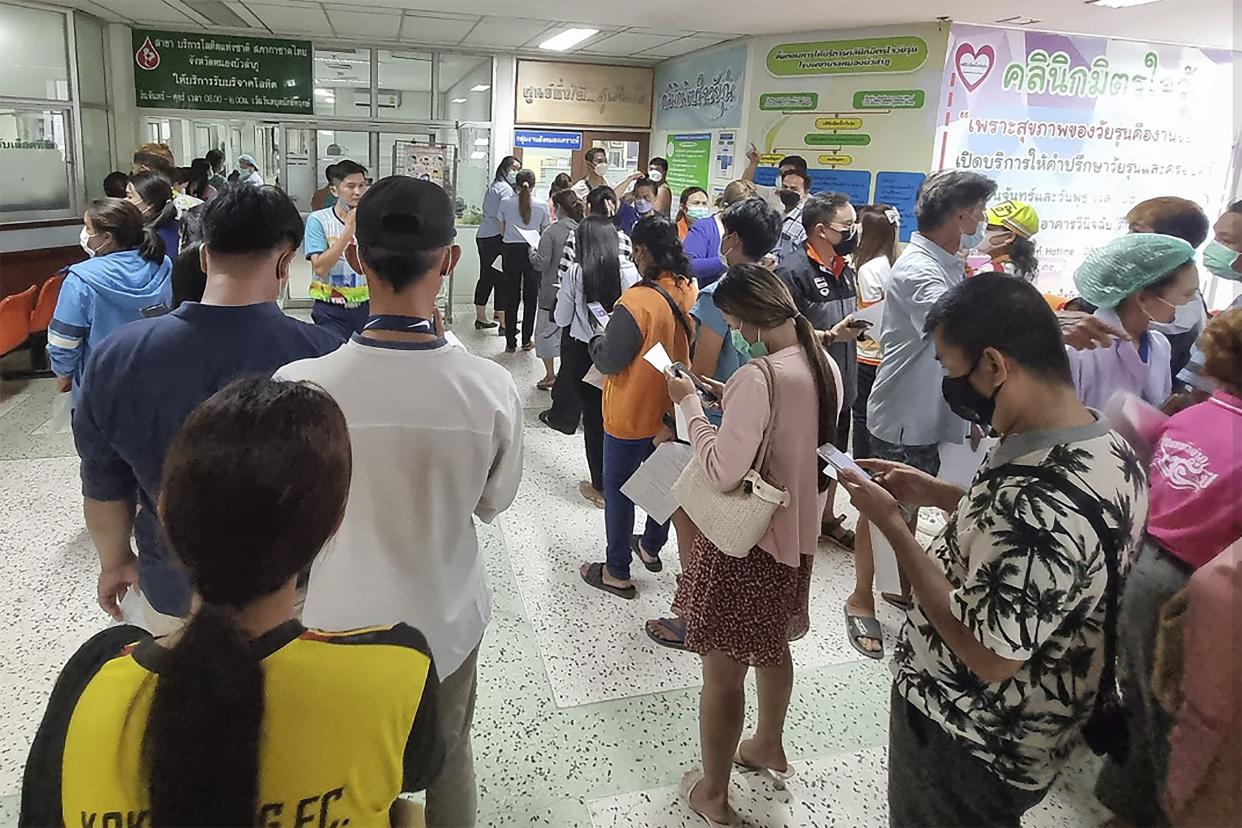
[583, 94]
[703, 91]
[175, 70]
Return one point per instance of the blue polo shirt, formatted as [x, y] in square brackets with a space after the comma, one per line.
[140, 386]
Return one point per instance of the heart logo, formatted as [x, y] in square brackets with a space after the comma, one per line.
[974, 65]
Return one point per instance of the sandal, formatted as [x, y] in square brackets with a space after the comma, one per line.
[593, 495]
[861, 626]
[546, 384]
[594, 576]
[636, 545]
[779, 778]
[835, 532]
[901, 602]
[528, 346]
[675, 626]
[688, 783]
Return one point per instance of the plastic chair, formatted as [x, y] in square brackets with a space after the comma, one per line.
[45, 306]
[15, 313]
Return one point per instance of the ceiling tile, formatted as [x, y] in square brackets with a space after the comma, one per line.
[364, 24]
[685, 45]
[500, 33]
[149, 11]
[308, 19]
[626, 43]
[421, 29]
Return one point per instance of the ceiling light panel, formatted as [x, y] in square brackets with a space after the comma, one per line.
[434, 29]
[568, 40]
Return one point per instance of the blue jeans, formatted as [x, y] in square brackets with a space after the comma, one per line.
[621, 459]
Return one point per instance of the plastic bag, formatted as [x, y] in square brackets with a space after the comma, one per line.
[62, 414]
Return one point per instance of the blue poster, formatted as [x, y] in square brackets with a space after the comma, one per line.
[703, 91]
[547, 139]
[854, 183]
[899, 190]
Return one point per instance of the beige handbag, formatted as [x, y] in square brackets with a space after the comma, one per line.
[735, 521]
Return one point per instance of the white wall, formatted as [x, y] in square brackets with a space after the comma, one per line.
[504, 103]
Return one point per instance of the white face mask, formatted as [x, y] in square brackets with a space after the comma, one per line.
[84, 239]
[655, 175]
[601, 169]
[1185, 318]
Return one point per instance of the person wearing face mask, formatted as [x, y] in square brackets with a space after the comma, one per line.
[146, 378]
[490, 243]
[702, 243]
[249, 168]
[1223, 259]
[127, 271]
[796, 185]
[641, 204]
[657, 171]
[339, 290]
[1003, 655]
[1007, 241]
[596, 159]
[774, 195]
[825, 289]
[695, 206]
[1134, 280]
[152, 193]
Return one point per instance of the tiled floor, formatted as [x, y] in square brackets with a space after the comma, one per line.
[581, 721]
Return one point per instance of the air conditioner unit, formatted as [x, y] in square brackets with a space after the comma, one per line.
[388, 98]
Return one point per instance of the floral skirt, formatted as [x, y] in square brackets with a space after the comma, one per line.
[747, 608]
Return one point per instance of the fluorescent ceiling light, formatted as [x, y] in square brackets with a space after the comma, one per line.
[567, 39]
[1118, 4]
[480, 142]
[482, 87]
[460, 100]
[321, 91]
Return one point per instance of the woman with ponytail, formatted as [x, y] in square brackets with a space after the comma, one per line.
[126, 273]
[152, 193]
[743, 612]
[520, 215]
[243, 717]
[546, 258]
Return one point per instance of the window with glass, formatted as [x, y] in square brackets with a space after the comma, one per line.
[36, 60]
[464, 88]
[404, 85]
[342, 82]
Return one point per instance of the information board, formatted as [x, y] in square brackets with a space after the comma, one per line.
[175, 70]
[689, 160]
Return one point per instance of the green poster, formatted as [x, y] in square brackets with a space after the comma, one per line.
[689, 160]
[848, 57]
[174, 70]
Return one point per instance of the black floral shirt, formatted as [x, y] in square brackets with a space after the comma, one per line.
[1028, 576]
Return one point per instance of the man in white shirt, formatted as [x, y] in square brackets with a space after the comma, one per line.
[596, 173]
[437, 440]
[250, 171]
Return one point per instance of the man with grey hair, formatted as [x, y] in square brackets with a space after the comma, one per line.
[906, 414]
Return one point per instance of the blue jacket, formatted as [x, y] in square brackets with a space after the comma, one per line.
[702, 246]
[100, 295]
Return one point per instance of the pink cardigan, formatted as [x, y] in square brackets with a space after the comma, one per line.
[728, 453]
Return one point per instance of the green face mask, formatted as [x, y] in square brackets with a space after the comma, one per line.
[1219, 260]
[754, 350]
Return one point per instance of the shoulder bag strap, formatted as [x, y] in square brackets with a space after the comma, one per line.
[765, 447]
[1110, 540]
[677, 314]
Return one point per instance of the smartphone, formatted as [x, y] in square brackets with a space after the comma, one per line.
[154, 310]
[704, 390]
[597, 310]
[839, 460]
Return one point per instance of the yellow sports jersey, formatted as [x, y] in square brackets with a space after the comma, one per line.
[349, 723]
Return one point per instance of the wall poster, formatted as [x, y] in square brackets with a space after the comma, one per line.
[689, 161]
[429, 162]
[583, 94]
[702, 91]
[1083, 128]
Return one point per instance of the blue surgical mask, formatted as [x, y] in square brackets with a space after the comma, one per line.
[643, 206]
[697, 213]
[972, 240]
[511, 177]
[1221, 261]
[754, 350]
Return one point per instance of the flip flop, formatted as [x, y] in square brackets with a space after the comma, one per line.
[860, 626]
[900, 602]
[779, 778]
[672, 625]
[594, 576]
[684, 790]
[636, 544]
[845, 539]
[545, 384]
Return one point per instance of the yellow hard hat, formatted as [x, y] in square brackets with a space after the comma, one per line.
[1017, 216]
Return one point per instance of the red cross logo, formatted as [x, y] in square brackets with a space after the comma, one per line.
[146, 57]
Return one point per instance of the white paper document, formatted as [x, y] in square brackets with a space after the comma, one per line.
[658, 357]
[454, 342]
[531, 236]
[959, 462]
[594, 377]
[872, 313]
[601, 316]
[887, 578]
[651, 487]
[498, 264]
[683, 424]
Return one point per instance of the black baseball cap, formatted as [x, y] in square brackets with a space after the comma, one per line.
[403, 213]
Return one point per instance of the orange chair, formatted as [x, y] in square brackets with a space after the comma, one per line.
[15, 313]
[49, 292]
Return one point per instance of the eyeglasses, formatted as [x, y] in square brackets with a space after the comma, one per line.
[846, 228]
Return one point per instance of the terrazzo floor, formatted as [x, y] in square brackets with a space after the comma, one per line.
[580, 721]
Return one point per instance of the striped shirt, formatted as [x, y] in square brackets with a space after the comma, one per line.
[343, 285]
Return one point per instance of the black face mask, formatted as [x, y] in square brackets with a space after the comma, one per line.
[848, 243]
[966, 402]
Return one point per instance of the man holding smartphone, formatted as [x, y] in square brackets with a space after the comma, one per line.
[825, 291]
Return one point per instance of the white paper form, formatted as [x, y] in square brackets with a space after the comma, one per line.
[658, 358]
[872, 313]
[531, 236]
[651, 487]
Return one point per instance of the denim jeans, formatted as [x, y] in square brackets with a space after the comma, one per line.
[621, 459]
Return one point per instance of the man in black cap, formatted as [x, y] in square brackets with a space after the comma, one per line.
[437, 439]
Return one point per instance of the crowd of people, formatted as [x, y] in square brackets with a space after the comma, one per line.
[1065, 602]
